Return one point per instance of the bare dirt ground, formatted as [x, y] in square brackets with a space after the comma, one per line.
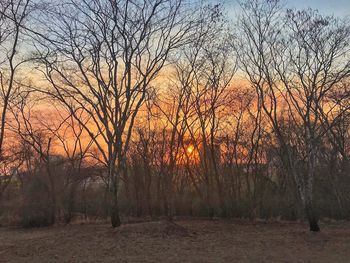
[188, 241]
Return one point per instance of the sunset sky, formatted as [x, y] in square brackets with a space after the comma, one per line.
[174, 131]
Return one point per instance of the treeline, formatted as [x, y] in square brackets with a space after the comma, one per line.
[118, 108]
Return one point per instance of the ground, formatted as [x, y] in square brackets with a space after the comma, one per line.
[185, 241]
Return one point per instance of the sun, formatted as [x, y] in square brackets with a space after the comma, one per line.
[190, 149]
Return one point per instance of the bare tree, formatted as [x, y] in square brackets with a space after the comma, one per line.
[13, 15]
[100, 58]
[294, 61]
[209, 98]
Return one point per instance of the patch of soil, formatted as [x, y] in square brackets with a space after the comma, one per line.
[162, 241]
[162, 228]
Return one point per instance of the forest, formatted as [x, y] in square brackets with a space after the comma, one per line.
[119, 109]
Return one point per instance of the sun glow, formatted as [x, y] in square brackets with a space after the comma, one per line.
[190, 149]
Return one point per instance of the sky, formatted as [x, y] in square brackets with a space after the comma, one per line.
[327, 7]
[336, 7]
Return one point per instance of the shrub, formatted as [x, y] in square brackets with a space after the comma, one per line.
[37, 209]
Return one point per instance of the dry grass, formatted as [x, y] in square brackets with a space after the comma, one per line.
[185, 241]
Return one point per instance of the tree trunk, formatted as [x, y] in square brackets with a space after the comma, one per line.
[115, 218]
[312, 218]
[70, 204]
[84, 201]
[106, 204]
[52, 193]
